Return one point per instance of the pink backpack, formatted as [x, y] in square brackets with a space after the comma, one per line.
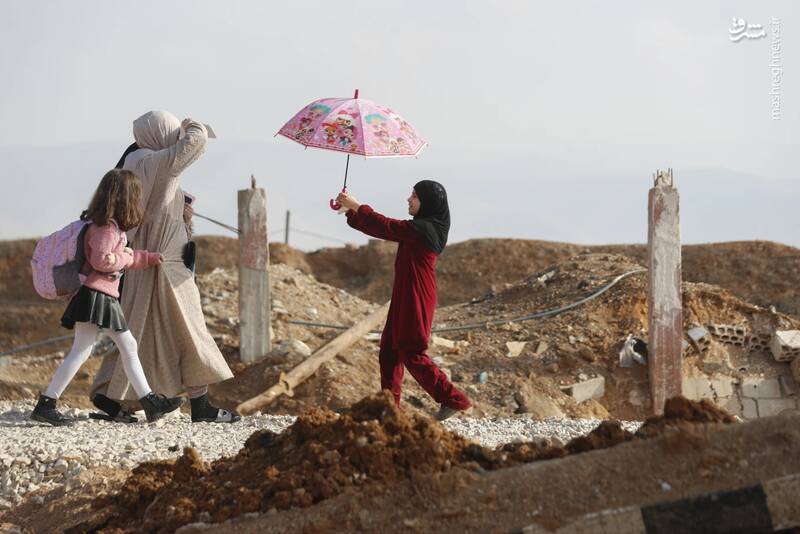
[57, 261]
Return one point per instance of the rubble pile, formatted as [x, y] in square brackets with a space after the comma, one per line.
[566, 365]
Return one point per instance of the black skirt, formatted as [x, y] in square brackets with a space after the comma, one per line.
[91, 306]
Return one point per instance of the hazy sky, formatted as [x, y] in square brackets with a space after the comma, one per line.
[545, 120]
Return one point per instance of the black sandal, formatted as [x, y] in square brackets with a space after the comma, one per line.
[205, 412]
[111, 410]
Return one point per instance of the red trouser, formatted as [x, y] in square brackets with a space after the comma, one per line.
[430, 377]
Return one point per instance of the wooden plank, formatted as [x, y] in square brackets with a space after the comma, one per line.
[288, 381]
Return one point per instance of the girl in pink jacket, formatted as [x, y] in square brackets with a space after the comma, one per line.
[115, 208]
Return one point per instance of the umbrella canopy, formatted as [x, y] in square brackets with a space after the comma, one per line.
[354, 126]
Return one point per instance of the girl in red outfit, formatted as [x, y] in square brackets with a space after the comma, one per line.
[408, 325]
[115, 208]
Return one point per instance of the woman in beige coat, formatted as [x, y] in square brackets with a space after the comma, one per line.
[163, 304]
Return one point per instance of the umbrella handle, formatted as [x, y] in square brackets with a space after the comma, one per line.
[335, 206]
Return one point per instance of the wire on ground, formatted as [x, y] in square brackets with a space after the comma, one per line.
[474, 326]
[497, 322]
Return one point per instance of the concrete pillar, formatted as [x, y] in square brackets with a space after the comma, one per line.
[254, 294]
[665, 314]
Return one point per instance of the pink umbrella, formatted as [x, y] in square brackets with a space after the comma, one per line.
[354, 126]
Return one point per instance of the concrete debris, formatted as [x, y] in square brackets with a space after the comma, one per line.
[594, 388]
[294, 346]
[761, 388]
[736, 335]
[438, 341]
[769, 407]
[699, 338]
[633, 350]
[546, 277]
[785, 345]
[515, 348]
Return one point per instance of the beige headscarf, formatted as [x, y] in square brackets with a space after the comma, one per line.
[156, 130]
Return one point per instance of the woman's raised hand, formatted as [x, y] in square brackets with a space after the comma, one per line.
[348, 201]
[188, 211]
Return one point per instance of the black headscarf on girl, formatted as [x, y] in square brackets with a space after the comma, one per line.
[433, 219]
[133, 148]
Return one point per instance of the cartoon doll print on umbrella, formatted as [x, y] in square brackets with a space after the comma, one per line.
[354, 126]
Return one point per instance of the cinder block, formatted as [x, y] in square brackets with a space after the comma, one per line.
[761, 388]
[736, 335]
[593, 388]
[759, 342]
[785, 345]
[769, 407]
[788, 386]
[749, 409]
[700, 338]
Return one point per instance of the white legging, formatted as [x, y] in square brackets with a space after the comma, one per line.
[85, 334]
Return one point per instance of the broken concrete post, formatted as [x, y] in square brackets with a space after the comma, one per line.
[665, 315]
[254, 297]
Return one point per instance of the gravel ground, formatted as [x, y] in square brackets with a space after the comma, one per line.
[35, 455]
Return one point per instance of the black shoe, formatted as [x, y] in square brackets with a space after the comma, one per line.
[204, 412]
[113, 410]
[45, 411]
[157, 406]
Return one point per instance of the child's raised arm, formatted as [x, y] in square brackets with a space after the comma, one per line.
[372, 223]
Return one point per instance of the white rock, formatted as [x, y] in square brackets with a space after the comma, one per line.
[515, 348]
[60, 466]
[439, 341]
[294, 346]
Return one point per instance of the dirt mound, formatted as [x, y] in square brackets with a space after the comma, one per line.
[680, 412]
[371, 447]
